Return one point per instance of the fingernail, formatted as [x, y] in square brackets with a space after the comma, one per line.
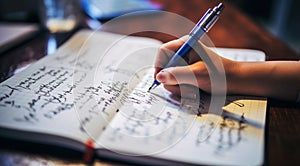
[161, 76]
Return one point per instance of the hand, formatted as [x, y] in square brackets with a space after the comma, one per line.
[192, 73]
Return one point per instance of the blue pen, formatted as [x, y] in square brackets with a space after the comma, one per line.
[203, 26]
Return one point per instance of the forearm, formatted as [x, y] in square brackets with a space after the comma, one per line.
[275, 79]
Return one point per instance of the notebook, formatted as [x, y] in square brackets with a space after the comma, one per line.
[93, 93]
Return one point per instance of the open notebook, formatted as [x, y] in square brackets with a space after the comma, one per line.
[94, 89]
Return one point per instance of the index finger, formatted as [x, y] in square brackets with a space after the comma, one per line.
[165, 53]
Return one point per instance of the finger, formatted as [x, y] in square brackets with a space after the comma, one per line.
[182, 75]
[199, 50]
[166, 52]
[185, 91]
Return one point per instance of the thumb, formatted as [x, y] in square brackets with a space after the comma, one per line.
[177, 75]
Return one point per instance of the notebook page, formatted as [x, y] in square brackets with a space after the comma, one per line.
[182, 130]
[62, 94]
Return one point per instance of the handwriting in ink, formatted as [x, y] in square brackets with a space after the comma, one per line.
[227, 136]
[46, 86]
[6, 96]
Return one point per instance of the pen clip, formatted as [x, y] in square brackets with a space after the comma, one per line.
[204, 17]
[212, 17]
[211, 20]
[208, 19]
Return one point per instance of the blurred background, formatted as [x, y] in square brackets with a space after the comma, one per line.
[279, 17]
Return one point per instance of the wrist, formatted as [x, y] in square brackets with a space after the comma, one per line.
[232, 70]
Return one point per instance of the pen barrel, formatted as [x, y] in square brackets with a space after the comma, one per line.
[197, 33]
[203, 26]
[182, 52]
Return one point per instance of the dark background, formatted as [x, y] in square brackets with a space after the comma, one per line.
[279, 17]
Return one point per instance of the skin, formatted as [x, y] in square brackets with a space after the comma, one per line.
[274, 79]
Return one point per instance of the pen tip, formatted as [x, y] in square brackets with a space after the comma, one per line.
[151, 87]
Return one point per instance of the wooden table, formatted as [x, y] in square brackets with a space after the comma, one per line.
[234, 29]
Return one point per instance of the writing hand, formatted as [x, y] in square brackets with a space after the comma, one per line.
[191, 73]
[275, 79]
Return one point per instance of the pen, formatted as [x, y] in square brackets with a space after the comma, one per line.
[203, 26]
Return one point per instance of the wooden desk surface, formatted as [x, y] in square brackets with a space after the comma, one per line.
[234, 29]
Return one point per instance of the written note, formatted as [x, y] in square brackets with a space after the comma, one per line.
[44, 88]
[97, 90]
[182, 133]
[58, 95]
